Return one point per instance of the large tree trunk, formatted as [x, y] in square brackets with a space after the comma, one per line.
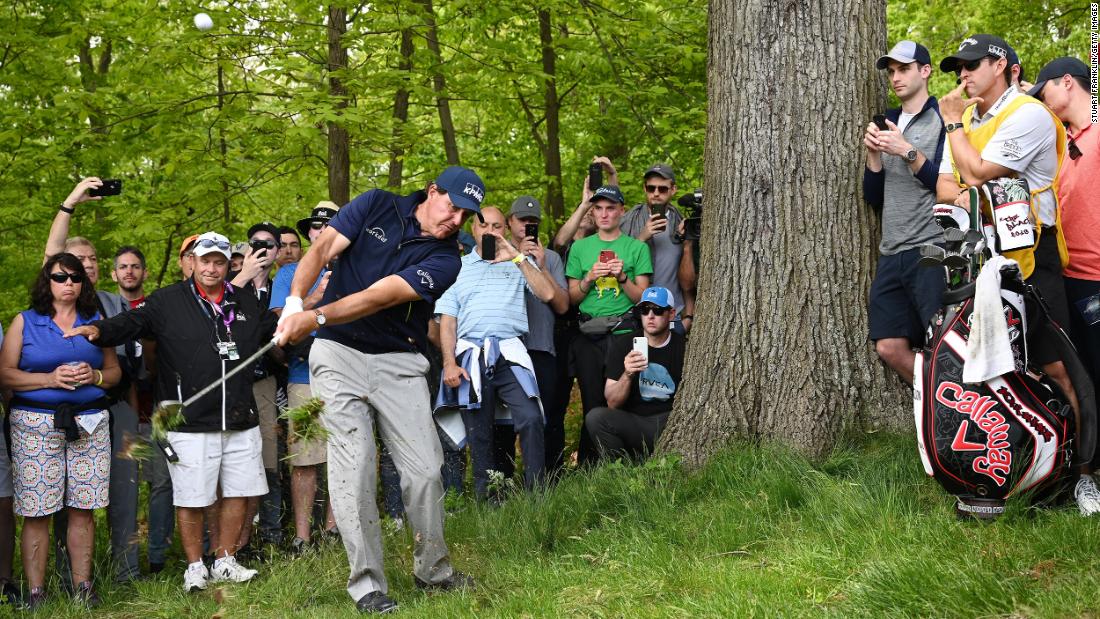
[555, 200]
[339, 161]
[439, 85]
[780, 349]
[401, 114]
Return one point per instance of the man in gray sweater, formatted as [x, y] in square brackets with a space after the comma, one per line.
[900, 181]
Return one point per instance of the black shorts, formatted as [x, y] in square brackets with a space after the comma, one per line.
[904, 297]
[1047, 279]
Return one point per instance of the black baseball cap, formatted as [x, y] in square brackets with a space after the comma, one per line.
[1066, 65]
[608, 192]
[660, 169]
[976, 47]
[266, 226]
[905, 52]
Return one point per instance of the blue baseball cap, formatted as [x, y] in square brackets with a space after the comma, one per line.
[463, 186]
[610, 192]
[656, 295]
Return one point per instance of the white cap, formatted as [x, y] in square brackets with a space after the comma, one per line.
[210, 242]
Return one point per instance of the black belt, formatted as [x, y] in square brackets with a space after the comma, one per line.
[65, 414]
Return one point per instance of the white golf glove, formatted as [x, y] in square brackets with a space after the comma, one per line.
[291, 306]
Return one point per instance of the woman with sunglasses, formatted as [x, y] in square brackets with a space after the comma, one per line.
[60, 441]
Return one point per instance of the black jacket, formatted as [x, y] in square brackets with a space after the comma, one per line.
[186, 334]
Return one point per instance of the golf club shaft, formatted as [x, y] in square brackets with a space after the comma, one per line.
[247, 363]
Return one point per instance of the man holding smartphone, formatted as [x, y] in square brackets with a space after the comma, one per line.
[655, 222]
[640, 386]
[523, 225]
[482, 318]
[255, 278]
[607, 273]
[903, 158]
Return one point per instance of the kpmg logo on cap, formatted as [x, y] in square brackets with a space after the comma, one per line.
[474, 191]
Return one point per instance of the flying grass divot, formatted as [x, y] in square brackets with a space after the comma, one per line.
[165, 419]
[305, 422]
[135, 448]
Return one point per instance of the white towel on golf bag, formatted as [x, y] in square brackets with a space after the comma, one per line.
[988, 351]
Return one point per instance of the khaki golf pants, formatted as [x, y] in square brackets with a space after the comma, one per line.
[391, 390]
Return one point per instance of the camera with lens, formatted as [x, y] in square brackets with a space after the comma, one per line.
[693, 223]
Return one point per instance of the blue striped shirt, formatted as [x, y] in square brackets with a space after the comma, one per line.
[487, 299]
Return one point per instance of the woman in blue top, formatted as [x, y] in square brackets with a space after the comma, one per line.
[60, 442]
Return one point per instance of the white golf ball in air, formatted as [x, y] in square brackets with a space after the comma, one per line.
[203, 21]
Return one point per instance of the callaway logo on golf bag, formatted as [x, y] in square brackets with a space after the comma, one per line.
[1014, 432]
[990, 440]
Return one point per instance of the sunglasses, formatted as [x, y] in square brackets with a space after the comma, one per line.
[259, 244]
[657, 189]
[970, 66]
[317, 225]
[645, 310]
[62, 277]
[1074, 150]
[208, 243]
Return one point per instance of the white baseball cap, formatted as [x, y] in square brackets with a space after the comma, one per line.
[210, 242]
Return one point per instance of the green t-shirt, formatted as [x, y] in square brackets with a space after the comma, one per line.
[606, 297]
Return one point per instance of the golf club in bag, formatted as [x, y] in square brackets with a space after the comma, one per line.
[1012, 433]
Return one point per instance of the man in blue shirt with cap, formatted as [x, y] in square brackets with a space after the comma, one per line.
[397, 255]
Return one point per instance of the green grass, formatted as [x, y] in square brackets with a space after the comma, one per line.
[758, 532]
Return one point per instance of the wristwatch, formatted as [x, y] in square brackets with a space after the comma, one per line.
[320, 317]
[949, 127]
[911, 156]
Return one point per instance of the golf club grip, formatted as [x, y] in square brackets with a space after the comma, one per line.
[247, 363]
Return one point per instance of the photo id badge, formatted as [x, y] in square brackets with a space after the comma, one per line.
[228, 351]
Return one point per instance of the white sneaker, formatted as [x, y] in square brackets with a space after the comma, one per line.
[1087, 495]
[196, 577]
[227, 569]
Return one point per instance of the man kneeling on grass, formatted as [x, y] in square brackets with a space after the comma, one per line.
[640, 387]
[203, 328]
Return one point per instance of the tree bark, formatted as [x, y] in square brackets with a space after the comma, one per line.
[555, 199]
[339, 160]
[93, 74]
[223, 148]
[439, 85]
[400, 114]
[779, 350]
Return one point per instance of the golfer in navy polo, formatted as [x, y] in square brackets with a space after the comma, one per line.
[397, 255]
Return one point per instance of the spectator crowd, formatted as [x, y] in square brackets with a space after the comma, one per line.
[437, 346]
[442, 337]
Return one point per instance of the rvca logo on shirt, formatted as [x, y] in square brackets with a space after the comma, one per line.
[655, 383]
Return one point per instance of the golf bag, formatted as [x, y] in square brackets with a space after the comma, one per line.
[1010, 435]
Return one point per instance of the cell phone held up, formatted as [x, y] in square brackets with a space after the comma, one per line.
[488, 247]
[880, 122]
[531, 231]
[606, 255]
[641, 345]
[595, 176]
[110, 187]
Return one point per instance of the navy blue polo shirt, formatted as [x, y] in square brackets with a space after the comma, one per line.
[385, 240]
